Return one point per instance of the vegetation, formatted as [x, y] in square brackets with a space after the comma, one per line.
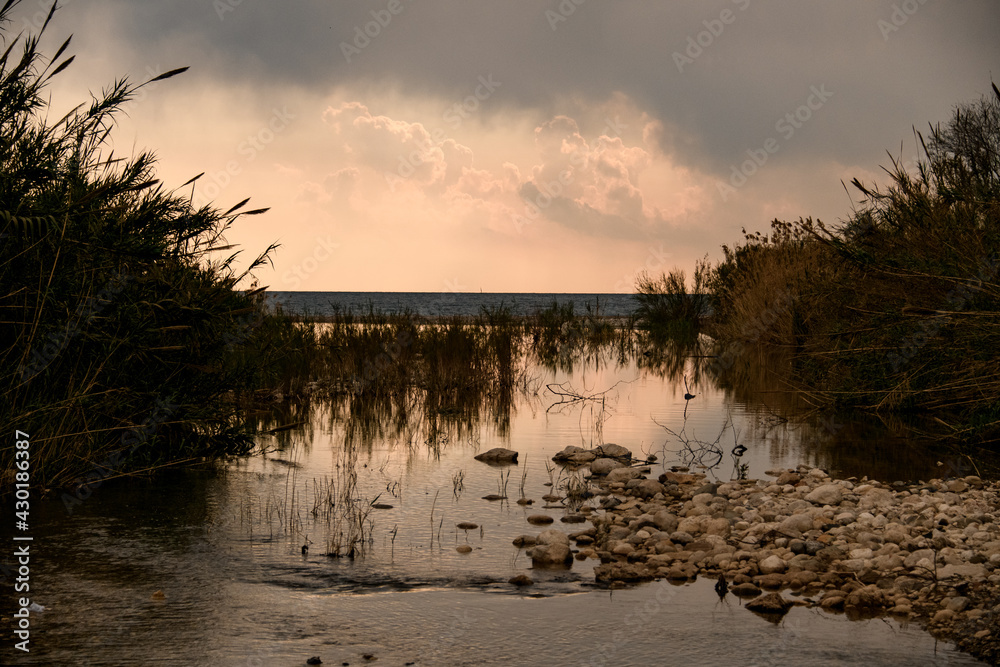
[126, 341]
[668, 308]
[898, 308]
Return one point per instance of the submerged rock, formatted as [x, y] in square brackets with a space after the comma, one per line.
[524, 541]
[539, 519]
[498, 455]
[771, 603]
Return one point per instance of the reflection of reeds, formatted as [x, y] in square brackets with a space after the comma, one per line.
[502, 482]
[350, 528]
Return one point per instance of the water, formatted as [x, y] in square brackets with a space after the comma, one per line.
[446, 304]
[224, 546]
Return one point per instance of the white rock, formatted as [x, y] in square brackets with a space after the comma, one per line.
[826, 494]
[772, 565]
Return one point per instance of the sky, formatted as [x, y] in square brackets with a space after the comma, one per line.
[523, 145]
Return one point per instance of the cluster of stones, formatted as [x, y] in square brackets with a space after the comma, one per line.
[929, 552]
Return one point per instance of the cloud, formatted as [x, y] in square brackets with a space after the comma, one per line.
[589, 146]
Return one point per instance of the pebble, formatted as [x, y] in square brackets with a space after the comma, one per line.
[874, 546]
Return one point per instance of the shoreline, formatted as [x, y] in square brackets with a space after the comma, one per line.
[927, 553]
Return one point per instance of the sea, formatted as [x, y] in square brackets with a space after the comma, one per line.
[447, 304]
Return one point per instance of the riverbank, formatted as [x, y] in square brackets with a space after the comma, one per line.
[928, 552]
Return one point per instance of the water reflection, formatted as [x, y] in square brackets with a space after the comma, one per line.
[757, 411]
[375, 473]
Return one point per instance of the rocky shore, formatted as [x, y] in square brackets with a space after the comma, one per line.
[926, 552]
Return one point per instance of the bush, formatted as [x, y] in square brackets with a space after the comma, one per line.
[898, 308]
[125, 338]
[667, 308]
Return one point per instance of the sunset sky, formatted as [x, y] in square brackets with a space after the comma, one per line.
[425, 145]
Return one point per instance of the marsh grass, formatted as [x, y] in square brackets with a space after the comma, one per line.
[127, 339]
[668, 307]
[895, 310]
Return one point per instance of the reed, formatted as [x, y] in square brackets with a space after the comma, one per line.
[896, 309]
[127, 337]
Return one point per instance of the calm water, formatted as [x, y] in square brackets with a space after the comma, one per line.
[224, 546]
[445, 304]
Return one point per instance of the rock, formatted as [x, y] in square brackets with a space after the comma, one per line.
[772, 582]
[681, 537]
[772, 565]
[550, 555]
[467, 525]
[613, 451]
[719, 526]
[539, 519]
[970, 571]
[771, 603]
[711, 488]
[522, 541]
[958, 603]
[801, 578]
[494, 496]
[867, 598]
[745, 590]
[552, 536]
[943, 616]
[463, 549]
[917, 556]
[788, 477]
[573, 518]
[498, 455]
[826, 494]
[623, 474]
[521, 580]
[623, 549]
[834, 602]
[957, 486]
[573, 454]
[800, 523]
[649, 488]
[604, 466]
[666, 521]
[525, 501]
[877, 498]
[682, 572]
[628, 572]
